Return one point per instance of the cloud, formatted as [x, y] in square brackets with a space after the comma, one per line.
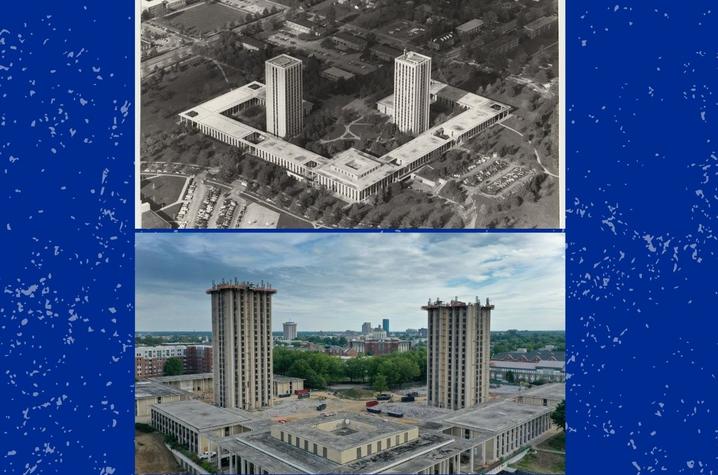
[336, 281]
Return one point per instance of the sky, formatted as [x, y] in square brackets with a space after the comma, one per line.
[337, 281]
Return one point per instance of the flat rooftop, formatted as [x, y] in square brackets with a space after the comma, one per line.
[339, 73]
[241, 286]
[181, 377]
[200, 415]
[276, 456]
[152, 389]
[284, 60]
[413, 58]
[230, 99]
[345, 430]
[494, 417]
[211, 114]
[282, 378]
[541, 22]
[555, 391]
[357, 169]
[469, 25]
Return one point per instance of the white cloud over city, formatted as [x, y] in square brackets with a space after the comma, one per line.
[336, 281]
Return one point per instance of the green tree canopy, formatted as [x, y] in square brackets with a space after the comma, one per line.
[558, 416]
[173, 367]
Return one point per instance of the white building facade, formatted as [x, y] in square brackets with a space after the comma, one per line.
[412, 77]
[285, 114]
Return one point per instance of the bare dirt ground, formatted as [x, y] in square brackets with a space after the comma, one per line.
[151, 455]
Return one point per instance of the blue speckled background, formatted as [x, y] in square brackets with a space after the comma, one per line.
[642, 95]
[67, 272]
[641, 156]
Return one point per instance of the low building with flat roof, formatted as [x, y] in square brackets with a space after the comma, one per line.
[549, 371]
[286, 385]
[470, 28]
[347, 41]
[301, 25]
[194, 422]
[154, 7]
[540, 26]
[198, 383]
[149, 392]
[547, 395]
[344, 443]
[355, 174]
[252, 44]
[213, 118]
[335, 74]
[384, 52]
[499, 428]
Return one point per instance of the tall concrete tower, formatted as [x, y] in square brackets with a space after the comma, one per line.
[458, 353]
[242, 340]
[283, 78]
[412, 77]
[290, 330]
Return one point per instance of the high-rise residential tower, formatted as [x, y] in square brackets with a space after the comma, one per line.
[290, 330]
[283, 78]
[412, 78]
[242, 344]
[366, 328]
[458, 353]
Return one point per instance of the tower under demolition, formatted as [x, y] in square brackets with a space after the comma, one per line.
[458, 353]
[242, 334]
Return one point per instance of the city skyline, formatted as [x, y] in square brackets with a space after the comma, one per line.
[392, 276]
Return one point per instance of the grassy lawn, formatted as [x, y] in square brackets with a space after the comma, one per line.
[171, 212]
[335, 132]
[367, 132]
[204, 18]
[162, 190]
[179, 91]
[558, 442]
[543, 462]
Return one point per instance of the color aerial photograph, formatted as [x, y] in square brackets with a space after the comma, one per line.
[361, 353]
[336, 114]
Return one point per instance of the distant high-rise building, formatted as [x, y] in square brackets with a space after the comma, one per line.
[385, 325]
[290, 330]
[366, 328]
[412, 78]
[284, 104]
[458, 353]
[242, 344]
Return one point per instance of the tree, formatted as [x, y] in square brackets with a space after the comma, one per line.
[380, 383]
[510, 376]
[173, 367]
[558, 416]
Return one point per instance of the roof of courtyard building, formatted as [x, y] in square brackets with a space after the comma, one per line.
[181, 377]
[555, 391]
[357, 169]
[152, 389]
[408, 457]
[494, 417]
[200, 415]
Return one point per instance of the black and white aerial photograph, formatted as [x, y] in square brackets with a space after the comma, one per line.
[336, 114]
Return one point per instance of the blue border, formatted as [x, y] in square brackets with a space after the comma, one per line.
[641, 155]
